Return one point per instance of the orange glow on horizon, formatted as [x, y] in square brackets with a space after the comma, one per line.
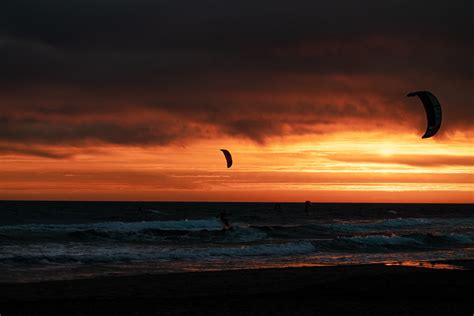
[344, 167]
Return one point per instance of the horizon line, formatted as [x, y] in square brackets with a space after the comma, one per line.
[273, 202]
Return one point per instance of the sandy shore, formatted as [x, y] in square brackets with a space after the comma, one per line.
[343, 290]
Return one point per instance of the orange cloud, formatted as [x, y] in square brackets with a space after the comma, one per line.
[411, 160]
[312, 105]
[322, 170]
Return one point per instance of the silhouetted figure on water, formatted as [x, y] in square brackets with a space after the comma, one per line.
[277, 207]
[224, 218]
[307, 206]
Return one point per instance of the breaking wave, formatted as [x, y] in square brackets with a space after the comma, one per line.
[79, 252]
[195, 224]
[209, 230]
[86, 253]
[197, 230]
[395, 242]
[400, 224]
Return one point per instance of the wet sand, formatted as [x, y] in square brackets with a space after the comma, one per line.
[342, 290]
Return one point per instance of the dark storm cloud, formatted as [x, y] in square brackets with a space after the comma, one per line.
[94, 63]
[147, 39]
[39, 152]
[161, 24]
[147, 132]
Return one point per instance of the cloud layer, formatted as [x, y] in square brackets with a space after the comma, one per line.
[162, 72]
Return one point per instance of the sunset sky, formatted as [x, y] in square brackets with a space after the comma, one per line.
[133, 100]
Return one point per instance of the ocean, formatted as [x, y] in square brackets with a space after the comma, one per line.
[43, 240]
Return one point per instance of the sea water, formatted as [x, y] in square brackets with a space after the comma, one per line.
[66, 240]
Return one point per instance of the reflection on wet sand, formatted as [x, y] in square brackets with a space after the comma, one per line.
[425, 264]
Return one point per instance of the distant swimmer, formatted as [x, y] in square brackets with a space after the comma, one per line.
[277, 207]
[307, 206]
[224, 218]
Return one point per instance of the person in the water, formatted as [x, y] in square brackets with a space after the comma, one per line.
[307, 206]
[224, 218]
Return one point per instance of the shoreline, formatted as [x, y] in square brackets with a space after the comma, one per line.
[358, 289]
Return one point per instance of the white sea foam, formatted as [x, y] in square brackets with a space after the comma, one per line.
[404, 241]
[154, 212]
[81, 252]
[462, 239]
[399, 223]
[187, 225]
[381, 240]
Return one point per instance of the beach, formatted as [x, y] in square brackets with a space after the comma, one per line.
[110, 258]
[374, 289]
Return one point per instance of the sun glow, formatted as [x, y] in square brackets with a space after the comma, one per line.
[346, 167]
[386, 150]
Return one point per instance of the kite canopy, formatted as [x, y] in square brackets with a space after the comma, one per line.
[228, 157]
[433, 111]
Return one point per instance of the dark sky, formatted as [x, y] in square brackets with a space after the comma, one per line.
[158, 72]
